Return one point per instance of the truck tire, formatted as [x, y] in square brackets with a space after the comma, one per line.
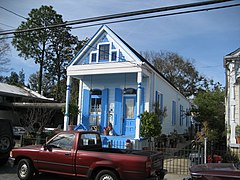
[25, 169]
[106, 175]
[5, 144]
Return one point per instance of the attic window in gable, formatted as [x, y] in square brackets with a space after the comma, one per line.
[104, 52]
[114, 56]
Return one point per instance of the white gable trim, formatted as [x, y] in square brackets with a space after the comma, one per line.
[105, 30]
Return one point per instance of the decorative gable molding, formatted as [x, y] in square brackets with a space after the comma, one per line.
[118, 51]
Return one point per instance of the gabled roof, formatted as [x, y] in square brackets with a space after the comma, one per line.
[90, 45]
[125, 45]
[234, 53]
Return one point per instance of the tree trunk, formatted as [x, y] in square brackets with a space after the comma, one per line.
[41, 71]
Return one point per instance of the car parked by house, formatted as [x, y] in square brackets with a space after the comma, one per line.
[80, 153]
[18, 131]
[6, 140]
[218, 171]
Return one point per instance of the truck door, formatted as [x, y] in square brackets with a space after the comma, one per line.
[58, 155]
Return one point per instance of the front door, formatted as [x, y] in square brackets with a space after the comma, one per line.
[129, 115]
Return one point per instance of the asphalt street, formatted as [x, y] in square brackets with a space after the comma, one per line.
[9, 173]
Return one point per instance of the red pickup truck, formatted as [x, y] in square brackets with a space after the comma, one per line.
[80, 153]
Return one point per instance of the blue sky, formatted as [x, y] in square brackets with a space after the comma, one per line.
[204, 37]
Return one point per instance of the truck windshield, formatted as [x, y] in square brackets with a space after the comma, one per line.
[63, 141]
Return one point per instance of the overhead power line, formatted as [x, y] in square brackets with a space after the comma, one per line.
[119, 15]
[7, 25]
[13, 13]
[159, 15]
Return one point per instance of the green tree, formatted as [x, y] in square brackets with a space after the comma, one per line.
[209, 111]
[62, 51]
[36, 44]
[15, 79]
[180, 72]
[47, 84]
[150, 123]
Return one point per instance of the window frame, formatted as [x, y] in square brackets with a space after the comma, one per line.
[117, 55]
[109, 52]
[174, 112]
[91, 54]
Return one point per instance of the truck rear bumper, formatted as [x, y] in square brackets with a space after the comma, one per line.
[158, 175]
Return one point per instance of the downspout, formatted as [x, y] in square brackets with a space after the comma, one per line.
[139, 92]
[232, 102]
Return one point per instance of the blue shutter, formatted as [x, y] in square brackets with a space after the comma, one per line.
[173, 112]
[161, 106]
[161, 101]
[181, 115]
[85, 108]
[118, 111]
[142, 101]
[156, 97]
[104, 114]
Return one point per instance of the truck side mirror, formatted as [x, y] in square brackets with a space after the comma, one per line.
[47, 147]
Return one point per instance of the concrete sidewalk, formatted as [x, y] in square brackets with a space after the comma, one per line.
[175, 176]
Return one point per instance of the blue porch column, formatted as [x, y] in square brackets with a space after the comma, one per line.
[66, 116]
[79, 119]
[139, 94]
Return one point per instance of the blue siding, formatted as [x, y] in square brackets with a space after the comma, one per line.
[118, 111]
[104, 115]
[85, 108]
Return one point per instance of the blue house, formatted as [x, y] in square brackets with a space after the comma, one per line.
[116, 84]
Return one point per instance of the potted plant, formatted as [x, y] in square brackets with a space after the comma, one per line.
[237, 133]
[108, 129]
[73, 112]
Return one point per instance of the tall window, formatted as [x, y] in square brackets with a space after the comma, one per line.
[181, 115]
[103, 52]
[174, 112]
[96, 103]
[114, 56]
[159, 101]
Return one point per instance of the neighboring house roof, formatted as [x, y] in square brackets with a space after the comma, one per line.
[14, 91]
[234, 54]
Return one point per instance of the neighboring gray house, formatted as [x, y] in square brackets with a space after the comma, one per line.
[116, 84]
[15, 100]
[232, 114]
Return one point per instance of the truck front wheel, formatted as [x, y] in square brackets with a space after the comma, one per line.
[106, 175]
[25, 169]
